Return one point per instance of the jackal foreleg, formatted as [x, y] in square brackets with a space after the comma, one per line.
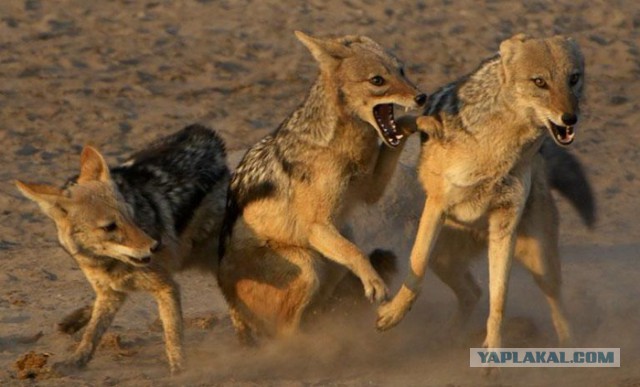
[107, 304]
[328, 242]
[391, 313]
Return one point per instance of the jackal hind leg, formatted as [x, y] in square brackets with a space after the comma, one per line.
[269, 290]
[452, 253]
[300, 292]
[537, 250]
[242, 328]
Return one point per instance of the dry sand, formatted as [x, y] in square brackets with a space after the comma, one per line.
[118, 74]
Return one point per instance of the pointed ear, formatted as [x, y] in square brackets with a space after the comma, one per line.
[49, 198]
[508, 46]
[572, 45]
[324, 50]
[92, 166]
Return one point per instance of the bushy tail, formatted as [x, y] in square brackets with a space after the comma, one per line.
[567, 176]
[75, 320]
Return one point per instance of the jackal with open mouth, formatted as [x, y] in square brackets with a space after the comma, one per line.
[487, 168]
[290, 193]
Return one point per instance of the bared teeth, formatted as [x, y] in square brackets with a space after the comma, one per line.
[562, 134]
[385, 120]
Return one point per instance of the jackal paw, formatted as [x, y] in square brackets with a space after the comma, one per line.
[491, 373]
[390, 314]
[375, 289]
[66, 367]
[176, 369]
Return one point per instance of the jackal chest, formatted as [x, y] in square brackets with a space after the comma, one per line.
[470, 204]
[355, 147]
[119, 277]
[325, 193]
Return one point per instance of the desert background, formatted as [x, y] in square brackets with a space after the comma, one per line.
[118, 74]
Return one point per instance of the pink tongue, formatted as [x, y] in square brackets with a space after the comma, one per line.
[568, 134]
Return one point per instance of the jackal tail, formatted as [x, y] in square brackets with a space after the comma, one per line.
[75, 320]
[567, 176]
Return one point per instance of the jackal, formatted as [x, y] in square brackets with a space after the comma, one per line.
[486, 179]
[290, 193]
[132, 226]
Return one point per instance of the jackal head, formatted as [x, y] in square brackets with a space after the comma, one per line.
[91, 216]
[368, 81]
[546, 77]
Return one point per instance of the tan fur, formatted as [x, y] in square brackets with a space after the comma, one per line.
[486, 183]
[85, 212]
[275, 265]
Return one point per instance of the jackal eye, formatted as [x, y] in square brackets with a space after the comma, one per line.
[402, 71]
[573, 80]
[377, 80]
[111, 227]
[541, 83]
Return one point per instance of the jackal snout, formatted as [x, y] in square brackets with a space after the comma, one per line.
[369, 81]
[123, 239]
[395, 89]
[547, 78]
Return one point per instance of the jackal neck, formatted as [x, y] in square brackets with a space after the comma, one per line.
[319, 116]
[485, 99]
[481, 95]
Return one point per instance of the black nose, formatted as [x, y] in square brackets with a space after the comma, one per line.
[421, 99]
[569, 119]
[155, 247]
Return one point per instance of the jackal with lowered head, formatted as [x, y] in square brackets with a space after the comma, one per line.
[132, 226]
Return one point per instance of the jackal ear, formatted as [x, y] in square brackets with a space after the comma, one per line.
[49, 198]
[324, 50]
[93, 166]
[572, 45]
[508, 46]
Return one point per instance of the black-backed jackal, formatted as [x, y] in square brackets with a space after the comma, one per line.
[282, 245]
[484, 168]
[132, 226]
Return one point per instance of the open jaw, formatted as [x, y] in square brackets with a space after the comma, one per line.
[383, 114]
[144, 261]
[563, 135]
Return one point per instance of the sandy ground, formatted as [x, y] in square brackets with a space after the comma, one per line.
[117, 74]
